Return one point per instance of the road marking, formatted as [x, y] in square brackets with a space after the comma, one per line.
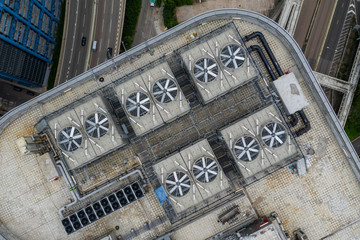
[112, 7]
[118, 32]
[326, 34]
[102, 26]
[72, 45]
[78, 59]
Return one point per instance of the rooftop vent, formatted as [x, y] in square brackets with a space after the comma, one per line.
[232, 56]
[178, 183]
[246, 148]
[206, 70]
[273, 134]
[165, 90]
[205, 169]
[70, 139]
[138, 104]
[97, 125]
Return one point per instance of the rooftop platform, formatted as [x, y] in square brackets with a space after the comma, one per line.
[321, 202]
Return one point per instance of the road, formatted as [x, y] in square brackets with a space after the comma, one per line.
[108, 29]
[318, 32]
[333, 36]
[145, 27]
[304, 21]
[75, 55]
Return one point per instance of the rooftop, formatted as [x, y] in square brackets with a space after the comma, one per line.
[166, 137]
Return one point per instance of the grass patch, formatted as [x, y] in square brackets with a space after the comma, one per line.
[169, 11]
[349, 54]
[132, 12]
[352, 126]
[57, 48]
[158, 3]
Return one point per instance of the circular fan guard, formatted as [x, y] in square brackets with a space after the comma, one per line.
[246, 148]
[273, 134]
[205, 70]
[165, 90]
[70, 139]
[205, 169]
[97, 125]
[232, 56]
[178, 183]
[138, 104]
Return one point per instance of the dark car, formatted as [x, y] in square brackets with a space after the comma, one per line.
[109, 53]
[18, 89]
[83, 41]
[30, 93]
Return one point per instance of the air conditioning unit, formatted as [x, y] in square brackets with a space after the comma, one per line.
[104, 207]
[165, 91]
[114, 202]
[138, 105]
[191, 176]
[97, 125]
[83, 218]
[67, 225]
[70, 138]
[85, 131]
[219, 63]
[90, 213]
[177, 183]
[75, 221]
[259, 142]
[98, 210]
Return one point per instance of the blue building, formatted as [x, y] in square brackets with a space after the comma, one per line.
[27, 39]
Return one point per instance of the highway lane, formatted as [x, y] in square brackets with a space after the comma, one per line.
[304, 21]
[318, 32]
[79, 14]
[333, 36]
[145, 28]
[108, 28]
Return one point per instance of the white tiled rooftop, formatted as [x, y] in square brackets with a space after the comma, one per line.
[323, 202]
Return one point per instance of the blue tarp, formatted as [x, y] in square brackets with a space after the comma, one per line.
[161, 195]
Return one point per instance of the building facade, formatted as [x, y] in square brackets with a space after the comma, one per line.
[27, 39]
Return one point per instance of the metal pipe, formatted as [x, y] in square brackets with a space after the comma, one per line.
[267, 48]
[72, 193]
[75, 192]
[263, 58]
[306, 122]
[293, 119]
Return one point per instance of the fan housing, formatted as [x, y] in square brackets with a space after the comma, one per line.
[206, 70]
[165, 90]
[246, 148]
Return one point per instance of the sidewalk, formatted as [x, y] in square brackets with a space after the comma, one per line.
[188, 11]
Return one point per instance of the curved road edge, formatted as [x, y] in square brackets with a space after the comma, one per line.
[63, 43]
